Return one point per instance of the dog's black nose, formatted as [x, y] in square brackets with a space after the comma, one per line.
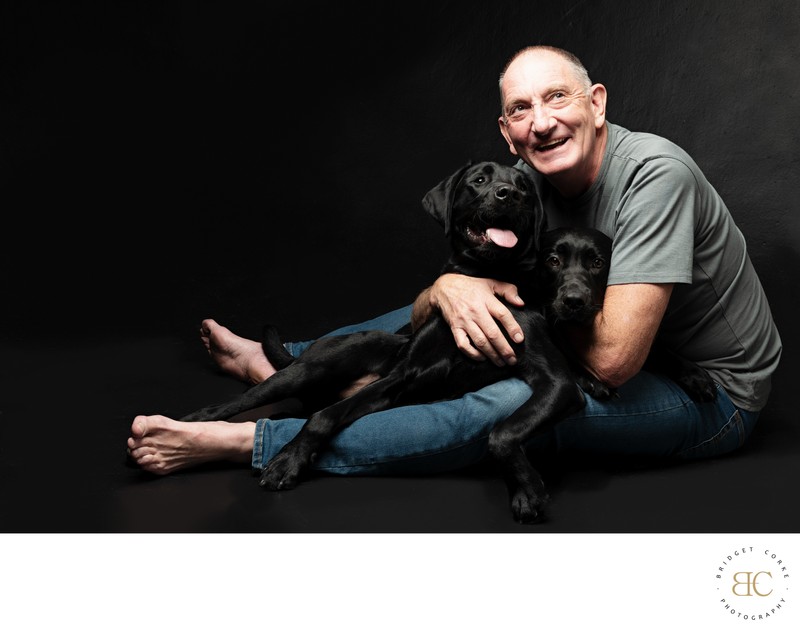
[574, 302]
[503, 192]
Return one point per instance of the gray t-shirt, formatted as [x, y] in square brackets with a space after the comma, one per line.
[669, 225]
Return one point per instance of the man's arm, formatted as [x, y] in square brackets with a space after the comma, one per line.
[614, 349]
[617, 345]
[422, 309]
[475, 314]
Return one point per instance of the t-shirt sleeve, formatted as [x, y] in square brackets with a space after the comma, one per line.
[654, 227]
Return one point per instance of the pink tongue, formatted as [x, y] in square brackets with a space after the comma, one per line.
[503, 238]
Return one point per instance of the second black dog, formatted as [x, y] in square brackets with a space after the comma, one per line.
[493, 219]
[573, 273]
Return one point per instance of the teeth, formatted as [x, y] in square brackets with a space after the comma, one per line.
[479, 237]
[553, 143]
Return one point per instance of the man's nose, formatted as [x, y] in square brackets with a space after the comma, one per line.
[543, 121]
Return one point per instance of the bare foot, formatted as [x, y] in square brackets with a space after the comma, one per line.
[162, 445]
[237, 356]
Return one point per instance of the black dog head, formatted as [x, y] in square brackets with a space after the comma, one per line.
[573, 272]
[493, 217]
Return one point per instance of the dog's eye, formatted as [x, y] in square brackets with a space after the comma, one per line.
[553, 261]
[479, 179]
[598, 263]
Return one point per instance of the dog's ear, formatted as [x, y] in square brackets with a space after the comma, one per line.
[439, 200]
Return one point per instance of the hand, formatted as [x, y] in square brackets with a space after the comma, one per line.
[471, 308]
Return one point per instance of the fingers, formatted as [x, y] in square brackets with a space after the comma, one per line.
[488, 338]
[477, 317]
[508, 292]
[464, 343]
[508, 322]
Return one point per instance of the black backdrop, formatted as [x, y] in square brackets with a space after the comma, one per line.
[161, 162]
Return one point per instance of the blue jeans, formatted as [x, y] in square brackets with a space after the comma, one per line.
[653, 416]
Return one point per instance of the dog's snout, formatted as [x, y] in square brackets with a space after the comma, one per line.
[505, 192]
[574, 300]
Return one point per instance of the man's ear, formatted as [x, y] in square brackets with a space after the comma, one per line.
[599, 96]
[439, 200]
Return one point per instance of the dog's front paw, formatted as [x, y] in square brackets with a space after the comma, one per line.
[528, 506]
[281, 473]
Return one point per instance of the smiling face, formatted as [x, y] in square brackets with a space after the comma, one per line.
[553, 119]
[494, 212]
[492, 217]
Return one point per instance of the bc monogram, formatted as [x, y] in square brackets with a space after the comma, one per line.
[750, 581]
[752, 585]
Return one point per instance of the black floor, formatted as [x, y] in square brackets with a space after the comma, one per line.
[67, 407]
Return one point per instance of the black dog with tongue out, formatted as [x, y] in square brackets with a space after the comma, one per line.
[493, 219]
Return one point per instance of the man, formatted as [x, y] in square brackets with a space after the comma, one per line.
[679, 268]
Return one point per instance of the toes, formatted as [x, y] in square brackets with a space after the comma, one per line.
[206, 326]
[139, 427]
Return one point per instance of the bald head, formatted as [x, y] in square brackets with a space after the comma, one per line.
[529, 53]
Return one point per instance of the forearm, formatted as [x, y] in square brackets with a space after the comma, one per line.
[611, 359]
[615, 347]
[422, 309]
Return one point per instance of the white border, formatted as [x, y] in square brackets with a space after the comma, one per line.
[375, 582]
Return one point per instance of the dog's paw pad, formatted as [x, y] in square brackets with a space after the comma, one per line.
[276, 481]
[280, 474]
[528, 509]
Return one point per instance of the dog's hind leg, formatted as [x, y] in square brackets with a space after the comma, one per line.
[318, 376]
[291, 382]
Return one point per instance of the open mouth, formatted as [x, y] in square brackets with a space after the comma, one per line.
[498, 236]
[553, 144]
